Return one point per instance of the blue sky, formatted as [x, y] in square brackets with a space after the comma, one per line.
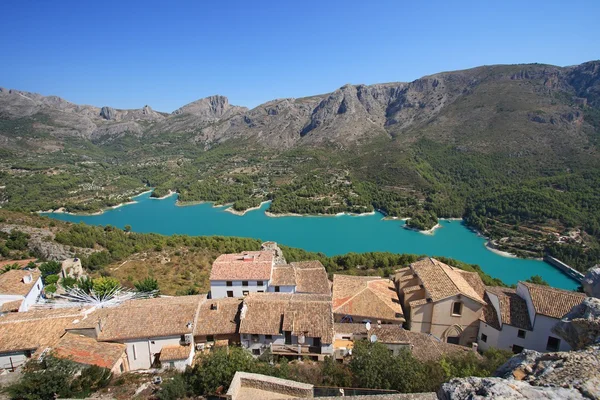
[130, 53]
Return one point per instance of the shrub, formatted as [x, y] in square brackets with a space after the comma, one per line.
[51, 279]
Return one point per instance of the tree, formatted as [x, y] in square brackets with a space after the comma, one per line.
[538, 280]
[86, 284]
[176, 388]
[53, 377]
[50, 268]
[105, 285]
[51, 279]
[147, 285]
[127, 228]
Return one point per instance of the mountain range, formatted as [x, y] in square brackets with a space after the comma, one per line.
[533, 107]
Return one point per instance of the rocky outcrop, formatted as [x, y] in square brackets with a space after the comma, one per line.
[533, 375]
[581, 326]
[474, 388]
[591, 282]
[41, 243]
[279, 257]
[108, 113]
[210, 108]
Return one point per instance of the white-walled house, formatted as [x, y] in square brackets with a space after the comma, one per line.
[237, 275]
[20, 289]
[287, 324]
[146, 328]
[523, 318]
[26, 335]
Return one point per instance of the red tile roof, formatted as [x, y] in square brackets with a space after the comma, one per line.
[249, 265]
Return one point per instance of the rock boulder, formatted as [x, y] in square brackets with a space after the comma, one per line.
[591, 282]
[581, 326]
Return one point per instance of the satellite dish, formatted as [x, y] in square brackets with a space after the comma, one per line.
[301, 339]
[368, 326]
[373, 338]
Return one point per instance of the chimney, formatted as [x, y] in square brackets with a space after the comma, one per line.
[27, 278]
[214, 306]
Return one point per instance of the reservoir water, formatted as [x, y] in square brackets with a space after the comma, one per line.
[330, 235]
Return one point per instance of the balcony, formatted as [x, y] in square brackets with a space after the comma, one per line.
[295, 349]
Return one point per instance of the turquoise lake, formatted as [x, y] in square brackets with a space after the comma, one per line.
[329, 235]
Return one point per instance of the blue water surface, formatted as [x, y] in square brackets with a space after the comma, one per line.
[330, 235]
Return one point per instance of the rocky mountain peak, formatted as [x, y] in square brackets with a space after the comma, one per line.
[208, 108]
[108, 113]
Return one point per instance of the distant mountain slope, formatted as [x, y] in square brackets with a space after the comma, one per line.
[517, 108]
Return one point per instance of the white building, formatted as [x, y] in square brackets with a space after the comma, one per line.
[523, 318]
[287, 324]
[237, 275]
[19, 289]
[147, 328]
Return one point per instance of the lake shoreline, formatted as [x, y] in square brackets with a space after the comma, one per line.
[171, 193]
[242, 213]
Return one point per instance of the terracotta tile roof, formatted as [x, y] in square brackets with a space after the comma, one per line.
[86, 350]
[366, 296]
[11, 306]
[416, 303]
[552, 302]
[489, 314]
[311, 277]
[474, 280]
[34, 330]
[158, 317]
[283, 275]
[248, 265]
[422, 346]
[411, 289]
[442, 281]
[273, 313]
[513, 309]
[175, 352]
[11, 282]
[218, 317]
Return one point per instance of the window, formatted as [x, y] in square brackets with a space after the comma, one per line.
[38, 286]
[453, 339]
[521, 334]
[244, 283]
[182, 338]
[277, 288]
[152, 342]
[517, 349]
[172, 364]
[260, 291]
[134, 352]
[268, 337]
[245, 292]
[229, 283]
[457, 308]
[483, 337]
[553, 344]
[210, 338]
[121, 367]
[346, 338]
[259, 283]
[256, 352]
[230, 293]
